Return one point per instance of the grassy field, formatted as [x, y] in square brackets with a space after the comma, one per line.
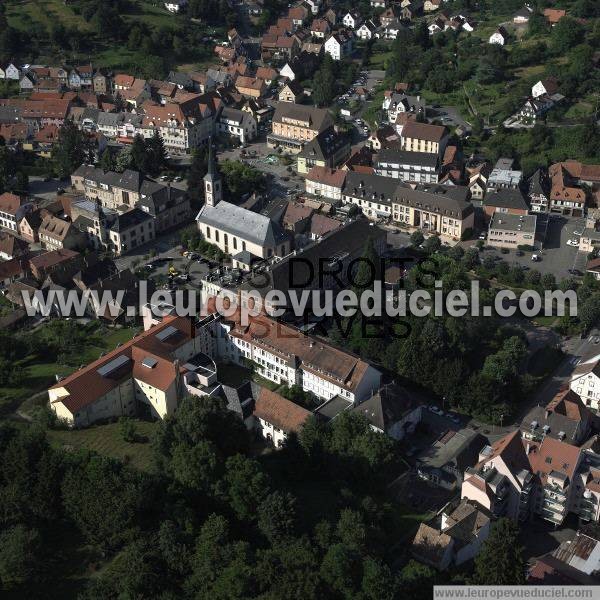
[234, 375]
[107, 440]
[40, 374]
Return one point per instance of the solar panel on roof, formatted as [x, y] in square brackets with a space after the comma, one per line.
[113, 365]
[166, 333]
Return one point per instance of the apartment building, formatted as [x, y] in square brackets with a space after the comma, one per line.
[522, 474]
[418, 167]
[566, 197]
[436, 209]
[539, 191]
[283, 354]
[144, 374]
[121, 192]
[371, 193]
[422, 137]
[294, 125]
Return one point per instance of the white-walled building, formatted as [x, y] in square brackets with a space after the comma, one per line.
[585, 381]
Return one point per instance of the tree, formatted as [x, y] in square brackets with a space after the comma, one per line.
[195, 176]
[500, 561]
[324, 83]
[277, 516]
[108, 161]
[432, 244]
[566, 34]
[19, 556]
[156, 154]
[589, 312]
[70, 150]
[139, 155]
[416, 238]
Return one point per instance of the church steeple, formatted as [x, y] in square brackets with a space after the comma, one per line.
[212, 179]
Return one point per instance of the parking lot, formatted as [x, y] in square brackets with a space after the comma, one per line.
[557, 257]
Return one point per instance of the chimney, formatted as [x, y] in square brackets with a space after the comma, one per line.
[547, 414]
[528, 449]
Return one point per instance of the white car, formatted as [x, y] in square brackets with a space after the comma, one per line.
[572, 242]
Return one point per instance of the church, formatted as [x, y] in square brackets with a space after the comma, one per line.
[242, 233]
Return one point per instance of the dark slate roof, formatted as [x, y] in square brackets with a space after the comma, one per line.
[325, 145]
[403, 157]
[240, 400]
[127, 220]
[363, 185]
[242, 223]
[539, 183]
[128, 180]
[388, 406]
[506, 198]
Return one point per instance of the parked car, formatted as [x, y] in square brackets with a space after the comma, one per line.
[578, 232]
[482, 235]
[572, 242]
[535, 257]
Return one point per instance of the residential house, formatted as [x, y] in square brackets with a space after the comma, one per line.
[389, 15]
[378, 3]
[328, 149]
[175, 6]
[505, 201]
[28, 226]
[325, 182]
[420, 167]
[101, 83]
[82, 77]
[12, 72]
[296, 217]
[539, 191]
[182, 126]
[56, 234]
[500, 36]
[11, 246]
[276, 417]
[12, 209]
[291, 92]
[367, 30]
[431, 5]
[589, 240]
[392, 410]
[593, 267]
[523, 15]
[455, 536]
[444, 462]
[565, 197]
[237, 123]
[251, 87]
[351, 20]
[332, 16]
[320, 28]
[295, 124]
[585, 381]
[412, 10]
[554, 15]
[27, 83]
[371, 193]
[320, 226]
[339, 45]
[545, 87]
[298, 14]
[267, 74]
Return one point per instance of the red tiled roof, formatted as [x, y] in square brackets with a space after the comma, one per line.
[10, 203]
[279, 411]
[424, 131]
[327, 176]
[554, 15]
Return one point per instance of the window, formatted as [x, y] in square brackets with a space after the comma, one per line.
[208, 233]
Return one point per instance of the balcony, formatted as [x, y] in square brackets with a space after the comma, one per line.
[554, 505]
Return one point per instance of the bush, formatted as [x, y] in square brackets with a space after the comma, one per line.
[127, 429]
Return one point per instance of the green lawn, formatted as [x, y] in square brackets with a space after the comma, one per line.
[107, 440]
[41, 374]
[234, 375]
